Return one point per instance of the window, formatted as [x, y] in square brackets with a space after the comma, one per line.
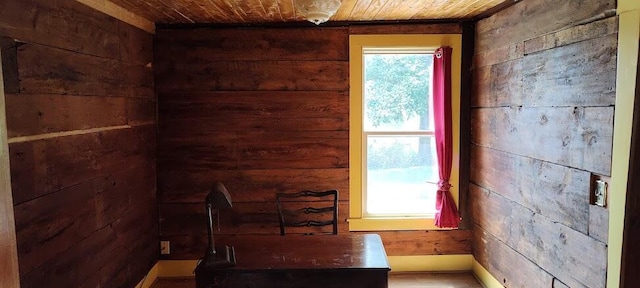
[393, 164]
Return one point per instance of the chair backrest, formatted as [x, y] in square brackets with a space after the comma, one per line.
[308, 209]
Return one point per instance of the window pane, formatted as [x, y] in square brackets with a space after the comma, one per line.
[397, 94]
[401, 175]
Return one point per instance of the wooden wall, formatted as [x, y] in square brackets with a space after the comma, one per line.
[262, 110]
[80, 111]
[542, 123]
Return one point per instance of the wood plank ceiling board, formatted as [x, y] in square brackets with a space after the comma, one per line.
[247, 12]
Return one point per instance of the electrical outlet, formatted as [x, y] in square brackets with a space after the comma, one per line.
[600, 193]
[165, 248]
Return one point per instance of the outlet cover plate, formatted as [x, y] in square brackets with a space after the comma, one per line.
[165, 248]
[600, 193]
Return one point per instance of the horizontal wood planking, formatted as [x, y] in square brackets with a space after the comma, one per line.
[56, 113]
[396, 243]
[68, 25]
[99, 203]
[252, 44]
[240, 122]
[243, 218]
[104, 253]
[66, 72]
[433, 242]
[249, 185]
[555, 191]
[514, 25]
[498, 55]
[580, 74]
[506, 264]
[257, 137]
[549, 67]
[500, 85]
[46, 166]
[84, 182]
[599, 223]
[135, 45]
[265, 75]
[257, 150]
[251, 105]
[579, 137]
[588, 31]
[554, 247]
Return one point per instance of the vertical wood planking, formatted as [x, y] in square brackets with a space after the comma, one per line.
[542, 124]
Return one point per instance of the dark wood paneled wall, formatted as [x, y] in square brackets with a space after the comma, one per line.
[80, 108]
[262, 110]
[542, 123]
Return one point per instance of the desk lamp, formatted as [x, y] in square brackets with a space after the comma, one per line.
[222, 256]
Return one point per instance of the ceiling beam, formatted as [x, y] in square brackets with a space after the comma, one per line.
[124, 15]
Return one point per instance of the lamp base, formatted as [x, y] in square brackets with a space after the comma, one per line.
[225, 256]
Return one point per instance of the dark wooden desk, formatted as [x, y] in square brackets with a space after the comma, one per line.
[328, 261]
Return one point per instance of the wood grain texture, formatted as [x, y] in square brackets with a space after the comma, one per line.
[572, 35]
[508, 266]
[66, 72]
[46, 166]
[270, 11]
[9, 275]
[56, 113]
[580, 74]
[255, 185]
[267, 75]
[500, 85]
[513, 25]
[555, 191]
[542, 65]
[578, 137]
[85, 203]
[67, 25]
[246, 111]
[246, 44]
[244, 218]
[396, 243]
[552, 246]
[259, 135]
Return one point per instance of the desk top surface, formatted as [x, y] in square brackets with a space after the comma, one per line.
[346, 251]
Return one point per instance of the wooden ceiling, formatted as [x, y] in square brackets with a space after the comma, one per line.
[274, 11]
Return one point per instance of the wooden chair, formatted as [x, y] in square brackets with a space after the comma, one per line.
[294, 212]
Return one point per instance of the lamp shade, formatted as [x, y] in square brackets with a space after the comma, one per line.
[317, 11]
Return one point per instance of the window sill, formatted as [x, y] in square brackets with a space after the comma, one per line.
[392, 224]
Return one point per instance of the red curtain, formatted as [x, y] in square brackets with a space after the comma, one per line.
[447, 215]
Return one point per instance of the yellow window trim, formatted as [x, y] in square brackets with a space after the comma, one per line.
[356, 44]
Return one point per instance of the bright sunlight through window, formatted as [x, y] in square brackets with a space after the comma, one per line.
[401, 165]
[393, 167]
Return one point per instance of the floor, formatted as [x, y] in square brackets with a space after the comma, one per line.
[396, 280]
